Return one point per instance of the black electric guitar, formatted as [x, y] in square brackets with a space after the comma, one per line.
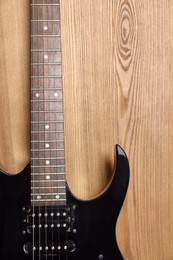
[39, 216]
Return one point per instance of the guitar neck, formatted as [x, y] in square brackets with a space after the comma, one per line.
[48, 182]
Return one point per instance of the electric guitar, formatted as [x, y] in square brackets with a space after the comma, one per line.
[39, 216]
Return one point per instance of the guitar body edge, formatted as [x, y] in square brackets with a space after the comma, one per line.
[95, 219]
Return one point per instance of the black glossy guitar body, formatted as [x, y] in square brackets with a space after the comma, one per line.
[94, 235]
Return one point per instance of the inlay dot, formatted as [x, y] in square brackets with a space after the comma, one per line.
[45, 28]
[46, 248]
[57, 196]
[39, 214]
[55, 94]
[58, 214]
[45, 225]
[34, 248]
[58, 225]
[40, 248]
[64, 225]
[48, 177]
[65, 247]
[39, 225]
[52, 225]
[64, 214]
[45, 214]
[37, 94]
[52, 214]
[47, 145]
[52, 247]
[47, 126]
[38, 197]
[59, 248]
[46, 56]
[47, 162]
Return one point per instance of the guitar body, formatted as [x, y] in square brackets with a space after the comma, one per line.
[95, 220]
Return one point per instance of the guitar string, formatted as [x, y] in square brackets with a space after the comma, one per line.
[38, 104]
[63, 126]
[52, 229]
[33, 161]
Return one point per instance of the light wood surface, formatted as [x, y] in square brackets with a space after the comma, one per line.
[14, 85]
[118, 77]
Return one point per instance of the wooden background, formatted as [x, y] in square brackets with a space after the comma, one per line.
[118, 88]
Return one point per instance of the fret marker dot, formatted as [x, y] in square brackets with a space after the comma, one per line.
[48, 177]
[47, 126]
[57, 196]
[46, 56]
[37, 94]
[55, 94]
[47, 145]
[47, 162]
[45, 28]
[38, 197]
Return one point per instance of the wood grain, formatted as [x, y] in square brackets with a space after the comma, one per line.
[118, 77]
[14, 85]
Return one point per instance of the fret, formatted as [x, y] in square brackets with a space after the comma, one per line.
[61, 173]
[46, 50]
[46, 141]
[43, 122]
[47, 131]
[46, 187]
[37, 150]
[48, 200]
[48, 181]
[45, 100]
[47, 170]
[43, 89]
[45, 12]
[44, 4]
[53, 193]
[45, 35]
[45, 166]
[45, 20]
[50, 42]
[46, 111]
[47, 76]
[46, 63]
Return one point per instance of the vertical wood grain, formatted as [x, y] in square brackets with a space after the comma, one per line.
[118, 77]
[14, 85]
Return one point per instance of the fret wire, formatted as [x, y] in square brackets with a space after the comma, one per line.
[47, 131]
[46, 187]
[45, 50]
[45, 150]
[46, 121]
[47, 181]
[47, 111]
[54, 193]
[53, 76]
[45, 200]
[44, 4]
[48, 200]
[47, 166]
[45, 35]
[59, 88]
[45, 173]
[47, 141]
[46, 63]
[46, 100]
[45, 20]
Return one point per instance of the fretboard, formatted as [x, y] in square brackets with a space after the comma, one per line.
[48, 185]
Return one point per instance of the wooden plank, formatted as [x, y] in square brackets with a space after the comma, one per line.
[14, 85]
[118, 76]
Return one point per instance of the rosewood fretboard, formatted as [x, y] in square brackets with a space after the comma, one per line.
[48, 185]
